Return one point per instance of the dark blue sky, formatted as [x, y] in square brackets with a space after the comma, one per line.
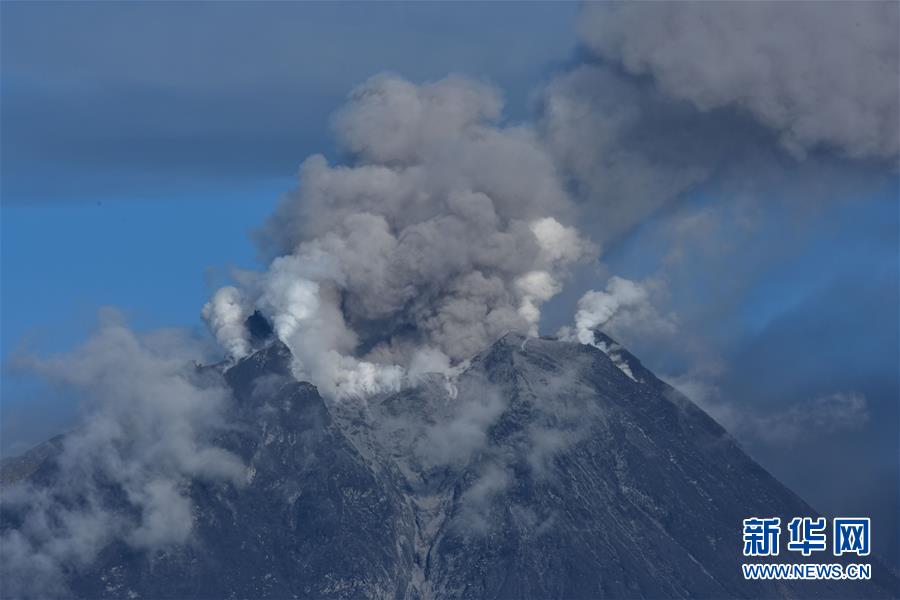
[142, 143]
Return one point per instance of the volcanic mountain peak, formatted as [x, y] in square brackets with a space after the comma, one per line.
[546, 470]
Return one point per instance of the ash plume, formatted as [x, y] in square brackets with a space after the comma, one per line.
[445, 231]
[747, 98]
[819, 75]
[702, 119]
[447, 227]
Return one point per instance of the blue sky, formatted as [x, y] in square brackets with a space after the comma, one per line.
[142, 143]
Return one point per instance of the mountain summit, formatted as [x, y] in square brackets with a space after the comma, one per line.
[544, 469]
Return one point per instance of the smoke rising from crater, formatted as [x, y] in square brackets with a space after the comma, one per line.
[445, 231]
[446, 227]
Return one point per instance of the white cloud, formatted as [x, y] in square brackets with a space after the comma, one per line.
[148, 428]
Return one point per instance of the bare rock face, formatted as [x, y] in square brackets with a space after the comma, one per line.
[545, 469]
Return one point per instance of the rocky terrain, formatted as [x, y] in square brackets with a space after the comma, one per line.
[544, 469]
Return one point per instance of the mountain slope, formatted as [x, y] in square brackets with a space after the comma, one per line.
[641, 495]
[546, 469]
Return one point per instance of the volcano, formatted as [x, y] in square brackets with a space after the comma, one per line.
[542, 469]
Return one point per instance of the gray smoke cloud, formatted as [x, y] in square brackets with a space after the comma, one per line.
[819, 74]
[625, 148]
[445, 231]
[672, 96]
[746, 104]
[446, 227]
[148, 428]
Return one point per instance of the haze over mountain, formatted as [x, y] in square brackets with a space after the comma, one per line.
[543, 469]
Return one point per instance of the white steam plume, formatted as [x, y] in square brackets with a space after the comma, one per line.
[596, 309]
[624, 310]
[226, 313]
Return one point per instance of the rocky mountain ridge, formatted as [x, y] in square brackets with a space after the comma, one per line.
[546, 469]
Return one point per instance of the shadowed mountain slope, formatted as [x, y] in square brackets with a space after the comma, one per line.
[545, 469]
